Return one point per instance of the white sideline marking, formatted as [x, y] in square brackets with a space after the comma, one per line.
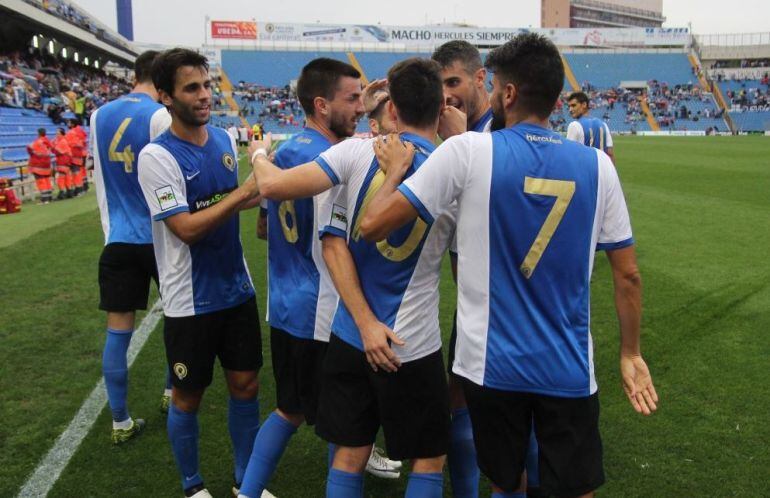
[51, 466]
[49, 469]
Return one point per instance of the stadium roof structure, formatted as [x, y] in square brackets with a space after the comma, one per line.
[21, 20]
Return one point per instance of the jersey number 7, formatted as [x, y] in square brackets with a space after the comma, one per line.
[126, 156]
[563, 190]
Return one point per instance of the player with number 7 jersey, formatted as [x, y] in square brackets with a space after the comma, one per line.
[119, 131]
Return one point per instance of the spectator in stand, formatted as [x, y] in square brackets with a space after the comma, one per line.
[63, 153]
[40, 151]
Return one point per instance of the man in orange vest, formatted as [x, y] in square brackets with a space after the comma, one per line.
[9, 203]
[40, 165]
[76, 138]
[63, 152]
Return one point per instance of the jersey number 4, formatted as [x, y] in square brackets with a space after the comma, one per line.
[563, 190]
[126, 156]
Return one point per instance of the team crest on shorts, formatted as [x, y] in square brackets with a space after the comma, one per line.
[228, 161]
[180, 370]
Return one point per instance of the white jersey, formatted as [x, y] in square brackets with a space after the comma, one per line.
[400, 275]
[532, 210]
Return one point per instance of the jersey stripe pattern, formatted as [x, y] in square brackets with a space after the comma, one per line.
[484, 124]
[399, 275]
[119, 131]
[595, 133]
[178, 176]
[533, 209]
[301, 299]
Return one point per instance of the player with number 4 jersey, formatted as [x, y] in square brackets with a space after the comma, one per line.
[119, 131]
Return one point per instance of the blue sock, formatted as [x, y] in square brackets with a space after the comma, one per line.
[243, 422]
[115, 370]
[183, 434]
[463, 470]
[168, 378]
[533, 467]
[341, 484]
[425, 485]
[269, 445]
[502, 494]
[332, 451]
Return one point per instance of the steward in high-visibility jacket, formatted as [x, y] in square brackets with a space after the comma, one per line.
[77, 139]
[40, 165]
[9, 203]
[63, 153]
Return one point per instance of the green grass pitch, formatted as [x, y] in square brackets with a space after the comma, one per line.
[699, 210]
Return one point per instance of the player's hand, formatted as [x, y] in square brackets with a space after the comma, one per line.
[375, 337]
[637, 384]
[452, 122]
[394, 156]
[265, 143]
[373, 94]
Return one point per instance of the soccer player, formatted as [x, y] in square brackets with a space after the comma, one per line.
[189, 177]
[464, 78]
[586, 130]
[301, 298]
[532, 209]
[119, 130]
[383, 366]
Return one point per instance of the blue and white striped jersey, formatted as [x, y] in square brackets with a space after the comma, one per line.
[592, 132]
[178, 176]
[532, 210]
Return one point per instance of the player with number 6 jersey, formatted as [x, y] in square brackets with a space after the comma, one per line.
[119, 130]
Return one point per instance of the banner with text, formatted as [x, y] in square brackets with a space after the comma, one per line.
[436, 35]
[242, 30]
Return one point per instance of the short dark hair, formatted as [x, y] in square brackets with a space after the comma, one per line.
[165, 65]
[143, 66]
[416, 90]
[533, 64]
[380, 108]
[41, 132]
[61, 130]
[319, 78]
[458, 50]
[579, 96]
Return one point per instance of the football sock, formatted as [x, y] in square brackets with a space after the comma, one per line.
[425, 485]
[183, 433]
[269, 445]
[243, 422]
[167, 389]
[115, 370]
[463, 470]
[341, 484]
[332, 451]
[503, 494]
[533, 469]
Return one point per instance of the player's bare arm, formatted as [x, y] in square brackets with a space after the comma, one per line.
[375, 335]
[191, 227]
[636, 378]
[389, 209]
[305, 180]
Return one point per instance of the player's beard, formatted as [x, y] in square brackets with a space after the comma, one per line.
[186, 114]
[498, 116]
[341, 126]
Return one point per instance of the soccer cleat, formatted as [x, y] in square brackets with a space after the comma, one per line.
[122, 435]
[165, 401]
[198, 491]
[379, 465]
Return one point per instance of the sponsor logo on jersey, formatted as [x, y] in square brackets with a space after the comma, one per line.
[166, 198]
[209, 201]
[538, 138]
[228, 161]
